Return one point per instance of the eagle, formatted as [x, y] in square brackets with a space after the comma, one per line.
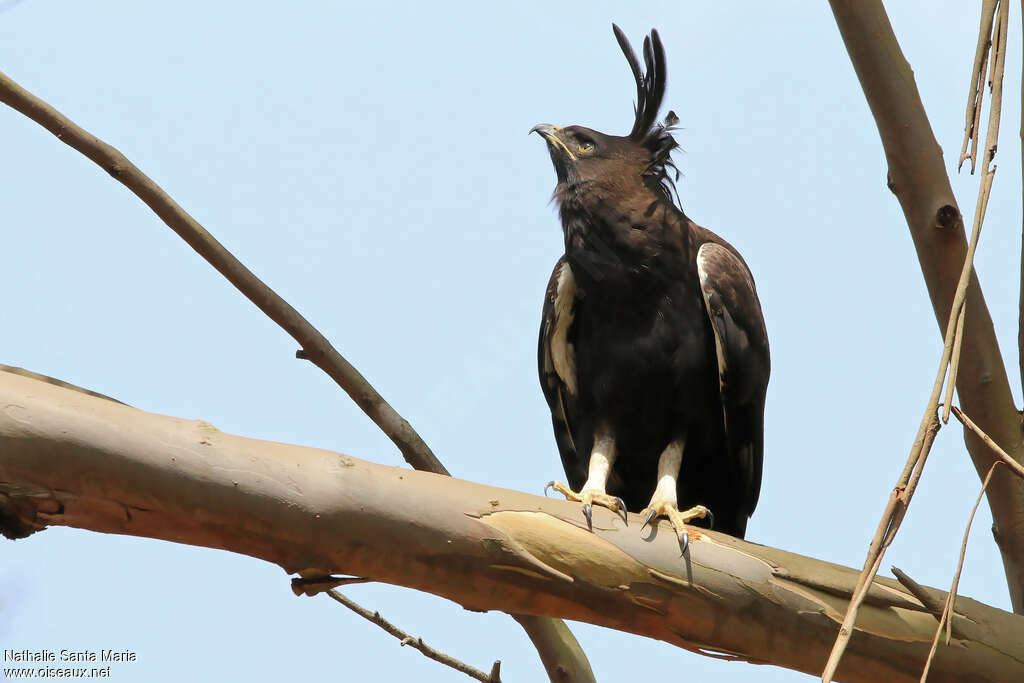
[653, 353]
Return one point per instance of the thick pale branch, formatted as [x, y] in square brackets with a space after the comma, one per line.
[918, 177]
[71, 459]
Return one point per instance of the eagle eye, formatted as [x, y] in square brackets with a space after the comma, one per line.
[585, 146]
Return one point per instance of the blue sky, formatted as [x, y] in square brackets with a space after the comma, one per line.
[372, 164]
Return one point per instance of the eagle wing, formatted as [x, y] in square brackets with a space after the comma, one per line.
[741, 345]
[556, 362]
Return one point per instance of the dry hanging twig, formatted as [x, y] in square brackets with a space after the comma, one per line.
[954, 364]
[1014, 466]
[417, 643]
[903, 492]
[976, 91]
[946, 618]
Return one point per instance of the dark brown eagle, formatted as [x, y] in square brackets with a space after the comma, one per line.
[653, 351]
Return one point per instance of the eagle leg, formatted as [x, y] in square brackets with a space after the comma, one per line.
[664, 501]
[593, 492]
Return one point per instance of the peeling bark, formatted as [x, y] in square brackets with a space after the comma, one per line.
[71, 459]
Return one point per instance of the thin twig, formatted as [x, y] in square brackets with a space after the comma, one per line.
[995, 82]
[947, 610]
[975, 92]
[954, 364]
[417, 643]
[1014, 466]
[904, 490]
[899, 499]
[905, 487]
[317, 348]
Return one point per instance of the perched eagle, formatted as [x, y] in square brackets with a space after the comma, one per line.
[653, 351]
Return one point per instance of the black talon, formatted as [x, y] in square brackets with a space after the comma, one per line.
[711, 520]
[588, 513]
[684, 543]
[647, 521]
[622, 507]
[549, 485]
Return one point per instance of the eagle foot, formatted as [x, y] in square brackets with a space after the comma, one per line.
[589, 498]
[678, 519]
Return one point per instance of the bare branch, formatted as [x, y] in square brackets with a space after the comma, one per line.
[67, 458]
[1014, 466]
[417, 643]
[954, 365]
[907, 484]
[918, 178]
[918, 591]
[922, 593]
[316, 347]
[975, 92]
[998, 68]
[560, 652]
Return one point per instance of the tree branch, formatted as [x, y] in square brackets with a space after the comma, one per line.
[316, 347]
[918, 178]
[1002, 455]
[561, 654]
[67, 458]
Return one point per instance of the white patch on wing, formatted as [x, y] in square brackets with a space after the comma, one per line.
[704, 256]
[563, 355]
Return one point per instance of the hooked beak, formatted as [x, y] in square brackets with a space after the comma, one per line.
[552, 135]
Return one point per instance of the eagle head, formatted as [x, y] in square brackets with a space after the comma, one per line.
[582, 156]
